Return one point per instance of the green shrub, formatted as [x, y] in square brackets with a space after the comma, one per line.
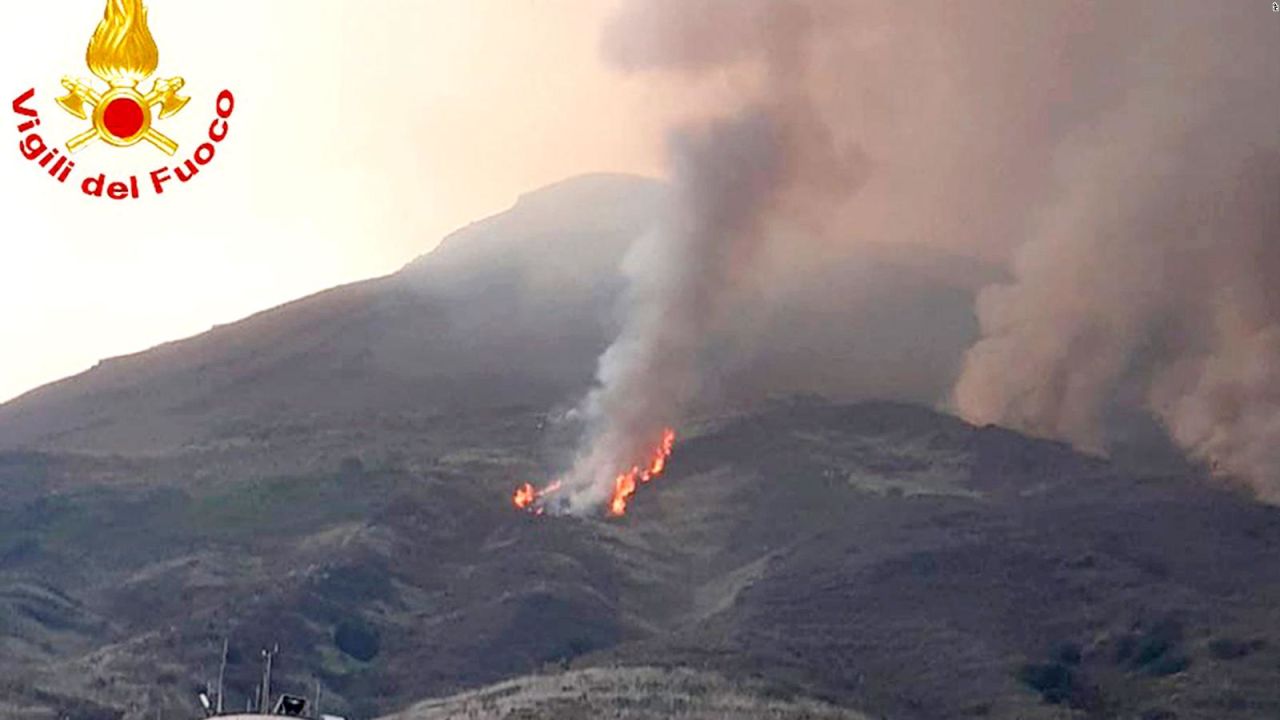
[1054, 681]
[357, 639]
[1226, 648]
[1068, 653]
[1171, 664]
[1155, 650]
[1062, 683]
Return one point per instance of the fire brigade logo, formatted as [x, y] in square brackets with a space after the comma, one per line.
[123, 54]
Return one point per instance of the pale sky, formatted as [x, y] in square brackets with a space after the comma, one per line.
[364, 132]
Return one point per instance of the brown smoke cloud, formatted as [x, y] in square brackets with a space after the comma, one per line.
[1117, 160]
[1147, 278]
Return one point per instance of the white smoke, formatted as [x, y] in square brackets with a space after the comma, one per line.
[731, 177]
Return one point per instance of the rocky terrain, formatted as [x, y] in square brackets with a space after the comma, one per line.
[875, 557]
[335, 476]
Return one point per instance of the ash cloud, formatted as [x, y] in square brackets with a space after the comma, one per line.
[1147, 279]
[1110, 168]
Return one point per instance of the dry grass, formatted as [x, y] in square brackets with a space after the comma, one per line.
[626, 694]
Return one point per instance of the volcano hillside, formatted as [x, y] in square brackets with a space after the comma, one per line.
[335, 475]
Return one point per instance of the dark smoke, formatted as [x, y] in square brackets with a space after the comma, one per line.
[1119, 159]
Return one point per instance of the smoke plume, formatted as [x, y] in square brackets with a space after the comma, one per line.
[732, 176]
[1147, 280]
[1117, 163]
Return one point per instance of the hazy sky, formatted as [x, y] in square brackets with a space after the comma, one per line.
[363, 133]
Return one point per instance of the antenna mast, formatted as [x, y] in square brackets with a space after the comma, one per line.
[222, 672]
[265, 705]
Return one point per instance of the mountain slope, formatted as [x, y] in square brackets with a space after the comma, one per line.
[470, 327]
[877, 558]
[512, 310]
[335, 475]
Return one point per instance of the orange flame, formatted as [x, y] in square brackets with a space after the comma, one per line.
[626, 484]
[525, 495]
[529, 498]
[122, 51]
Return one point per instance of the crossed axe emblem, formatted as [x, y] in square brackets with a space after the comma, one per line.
[164, 93]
